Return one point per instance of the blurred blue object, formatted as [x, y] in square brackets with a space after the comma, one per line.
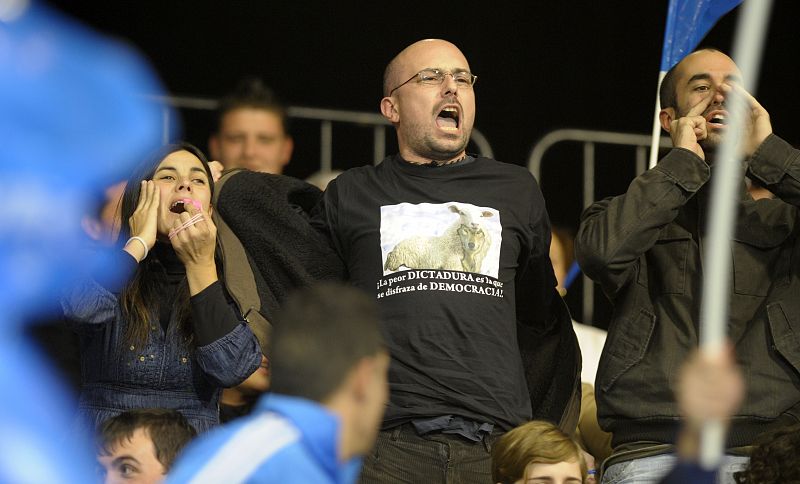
[72, 120]
[572, 274]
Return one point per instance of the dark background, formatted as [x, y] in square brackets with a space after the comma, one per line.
[542, 65]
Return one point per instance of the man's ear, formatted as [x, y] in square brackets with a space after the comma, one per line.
[362, 374]
[288, 148]
[213, 147]
[666, 116]
[389, 109]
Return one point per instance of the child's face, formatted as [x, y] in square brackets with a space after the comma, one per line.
[562, 473]
[132, 461]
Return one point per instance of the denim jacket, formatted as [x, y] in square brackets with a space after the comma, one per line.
[167, 372]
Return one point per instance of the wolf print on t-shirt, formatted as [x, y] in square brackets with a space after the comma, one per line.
[450, 236]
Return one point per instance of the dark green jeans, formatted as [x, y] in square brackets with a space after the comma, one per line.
[402, 456]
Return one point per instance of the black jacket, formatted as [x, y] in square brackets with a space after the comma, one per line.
[644, 248]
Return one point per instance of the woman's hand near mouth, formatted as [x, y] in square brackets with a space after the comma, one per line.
[195, 247]
[144, 221]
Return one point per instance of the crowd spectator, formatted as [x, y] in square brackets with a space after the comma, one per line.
[774, 459]
[538, 452]
[463, 258]
[162, 333]
[328, 395]
[139, 446]
[645, 248]
[252, 129]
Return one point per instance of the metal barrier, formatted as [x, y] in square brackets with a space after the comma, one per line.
[326, 117]
[589, 139]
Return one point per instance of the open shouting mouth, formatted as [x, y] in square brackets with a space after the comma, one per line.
[449, 118]
[717, 119]
[179, 206]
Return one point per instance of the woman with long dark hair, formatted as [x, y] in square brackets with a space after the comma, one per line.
[167, 335]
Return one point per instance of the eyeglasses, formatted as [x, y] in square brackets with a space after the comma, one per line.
[435, 77]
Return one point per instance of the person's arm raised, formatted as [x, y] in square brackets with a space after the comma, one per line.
[195, 243]
[144, 222]
[757, 124]
[772, 161]
[615, 232]
[687, 131]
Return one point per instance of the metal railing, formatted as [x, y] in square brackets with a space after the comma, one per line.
[326, 117]
[589, 139]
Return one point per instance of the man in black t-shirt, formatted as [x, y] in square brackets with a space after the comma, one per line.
[455, 250]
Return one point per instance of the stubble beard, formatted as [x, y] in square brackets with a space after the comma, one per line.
[427, 145]
[712, 141]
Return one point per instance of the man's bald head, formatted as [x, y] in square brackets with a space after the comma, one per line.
[395, 73]
[433, 117]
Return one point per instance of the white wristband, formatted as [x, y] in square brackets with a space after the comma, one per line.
[144, 244]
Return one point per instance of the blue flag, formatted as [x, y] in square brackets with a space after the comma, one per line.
[72, 120]
[688, 21]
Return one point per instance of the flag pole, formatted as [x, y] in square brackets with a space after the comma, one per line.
[656, 136]
[750, 33]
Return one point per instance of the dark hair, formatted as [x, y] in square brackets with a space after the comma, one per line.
[168, 430]
[532, 443]
[667, 94]
[251, 92]
[139, 298]
[775, 459]
[319, 336]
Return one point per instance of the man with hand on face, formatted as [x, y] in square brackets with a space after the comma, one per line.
[454, 247]
[646, 249]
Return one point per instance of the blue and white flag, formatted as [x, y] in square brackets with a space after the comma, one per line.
[688, 21]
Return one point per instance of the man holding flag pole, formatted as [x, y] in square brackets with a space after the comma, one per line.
[648, 249]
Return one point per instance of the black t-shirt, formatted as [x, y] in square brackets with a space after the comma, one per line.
[445, 250]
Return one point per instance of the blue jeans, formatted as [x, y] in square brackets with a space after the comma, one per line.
[649, 470]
